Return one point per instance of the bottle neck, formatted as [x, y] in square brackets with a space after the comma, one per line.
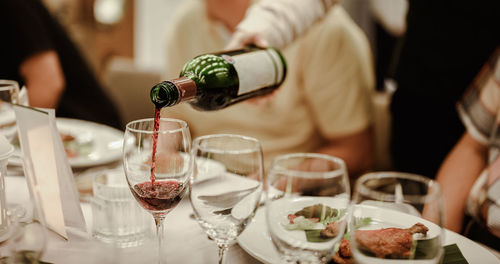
[172, 92]
[186, 88]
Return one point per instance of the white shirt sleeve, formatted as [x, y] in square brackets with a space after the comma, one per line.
[279, 22]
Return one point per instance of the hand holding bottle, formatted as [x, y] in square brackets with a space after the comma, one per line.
[242, 38]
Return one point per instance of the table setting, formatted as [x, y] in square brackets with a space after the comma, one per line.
[87, 144]
[214, 205]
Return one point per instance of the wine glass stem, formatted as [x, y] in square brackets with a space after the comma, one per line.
[159, 234]
[222, 253]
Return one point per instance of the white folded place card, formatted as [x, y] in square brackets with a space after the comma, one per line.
[23, 96]
[48, 171]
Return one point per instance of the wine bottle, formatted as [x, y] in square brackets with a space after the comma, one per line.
[215, 81]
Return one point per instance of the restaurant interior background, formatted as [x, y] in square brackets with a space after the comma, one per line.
[124, 42]
[119, 39]
[135, 30]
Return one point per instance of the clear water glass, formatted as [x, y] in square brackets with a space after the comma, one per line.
[306, 194]
[117, 218]
[226, 185]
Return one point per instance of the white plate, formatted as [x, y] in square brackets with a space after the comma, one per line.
[256, 241]
[106, 142]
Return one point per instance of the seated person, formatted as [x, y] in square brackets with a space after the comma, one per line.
[324, 105]
[37, 52]
[477, 151]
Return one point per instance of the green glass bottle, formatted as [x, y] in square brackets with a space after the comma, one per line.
[214, 81]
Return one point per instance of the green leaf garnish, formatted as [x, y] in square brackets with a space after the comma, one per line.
[361, 222]
[426, 248]
[453, 255]
[319, 211]
[313, 235]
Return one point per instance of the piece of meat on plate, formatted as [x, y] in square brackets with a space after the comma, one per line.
[389, 242]
[344, 254]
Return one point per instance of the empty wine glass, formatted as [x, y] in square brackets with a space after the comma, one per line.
[226, 185]
[157, 166]
[306, 208]
[396, 216]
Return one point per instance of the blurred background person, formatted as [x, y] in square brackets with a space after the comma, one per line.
[444, 46]
[37, 52]
[324, 105]
[470, 175]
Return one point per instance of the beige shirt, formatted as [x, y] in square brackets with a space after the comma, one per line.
[326, 94]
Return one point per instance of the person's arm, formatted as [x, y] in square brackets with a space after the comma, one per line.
[457, 175]
[33, 51]
[355, 149]
[278, 22]
[44, 78]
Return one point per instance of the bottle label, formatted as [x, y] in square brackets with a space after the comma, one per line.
[256, 70]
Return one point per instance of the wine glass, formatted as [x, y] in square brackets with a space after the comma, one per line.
[157, 166]
[306, 208]
[396, 216]
[226, 185]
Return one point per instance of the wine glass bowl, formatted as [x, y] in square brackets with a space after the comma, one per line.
[403, 212]
[307, 200]
[157, 165]
[225, 200]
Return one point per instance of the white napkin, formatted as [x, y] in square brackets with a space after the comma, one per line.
[48, 171]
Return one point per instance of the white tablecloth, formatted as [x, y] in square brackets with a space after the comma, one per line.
[185, 241]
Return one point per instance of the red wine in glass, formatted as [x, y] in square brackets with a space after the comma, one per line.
[155, 141]
[160, 196]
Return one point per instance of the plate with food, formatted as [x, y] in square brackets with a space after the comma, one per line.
[256, 241]
[86, 143]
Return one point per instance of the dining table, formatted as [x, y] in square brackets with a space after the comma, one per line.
[184, 241]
